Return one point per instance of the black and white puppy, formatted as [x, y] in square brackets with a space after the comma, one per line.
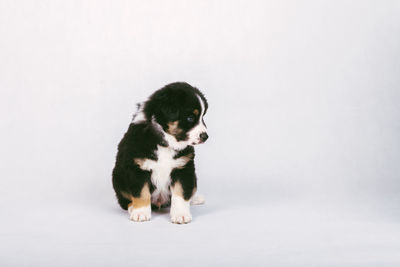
[154, 165]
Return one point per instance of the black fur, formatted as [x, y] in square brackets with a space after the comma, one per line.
[174, 102]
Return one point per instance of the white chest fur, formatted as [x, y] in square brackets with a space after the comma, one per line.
[161, 172]
[160, 176]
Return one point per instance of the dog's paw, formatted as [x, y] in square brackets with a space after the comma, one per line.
[197, 200]
[140, 214]
[181, 216]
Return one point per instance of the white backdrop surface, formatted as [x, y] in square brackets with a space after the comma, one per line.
[302, 165]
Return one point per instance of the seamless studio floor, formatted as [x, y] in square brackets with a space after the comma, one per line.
[234, 228]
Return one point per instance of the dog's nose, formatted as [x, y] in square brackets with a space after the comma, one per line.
[203, 137]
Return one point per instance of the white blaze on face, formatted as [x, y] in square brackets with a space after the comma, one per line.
[194, 134]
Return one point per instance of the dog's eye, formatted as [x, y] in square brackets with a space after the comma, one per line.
[190, 118]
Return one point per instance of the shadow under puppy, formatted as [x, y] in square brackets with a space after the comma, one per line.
[154, 165]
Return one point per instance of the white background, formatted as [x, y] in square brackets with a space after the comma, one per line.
[302, 165]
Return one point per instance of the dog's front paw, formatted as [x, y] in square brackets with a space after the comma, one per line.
[140, 214]
[180, 216]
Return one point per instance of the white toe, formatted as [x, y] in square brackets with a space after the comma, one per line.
[140, 214]
[181, 218]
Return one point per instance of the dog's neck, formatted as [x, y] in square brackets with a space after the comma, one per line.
[171, 140]
[140, 117]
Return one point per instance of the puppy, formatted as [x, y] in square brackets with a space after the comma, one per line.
[154, 165]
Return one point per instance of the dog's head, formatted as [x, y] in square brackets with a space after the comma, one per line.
[179, 109]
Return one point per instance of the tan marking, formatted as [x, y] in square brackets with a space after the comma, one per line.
[144, 164]
[177, 189]
[196, 112]
[139, 202]
[126, 195]
[194, 190]
[173, 128]
[139, 162]
[184, 160]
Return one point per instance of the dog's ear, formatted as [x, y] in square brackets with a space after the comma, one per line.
[163, 107]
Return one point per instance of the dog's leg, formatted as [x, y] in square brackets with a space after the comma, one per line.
[140, 207]
[197, 199]
[180, 208]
